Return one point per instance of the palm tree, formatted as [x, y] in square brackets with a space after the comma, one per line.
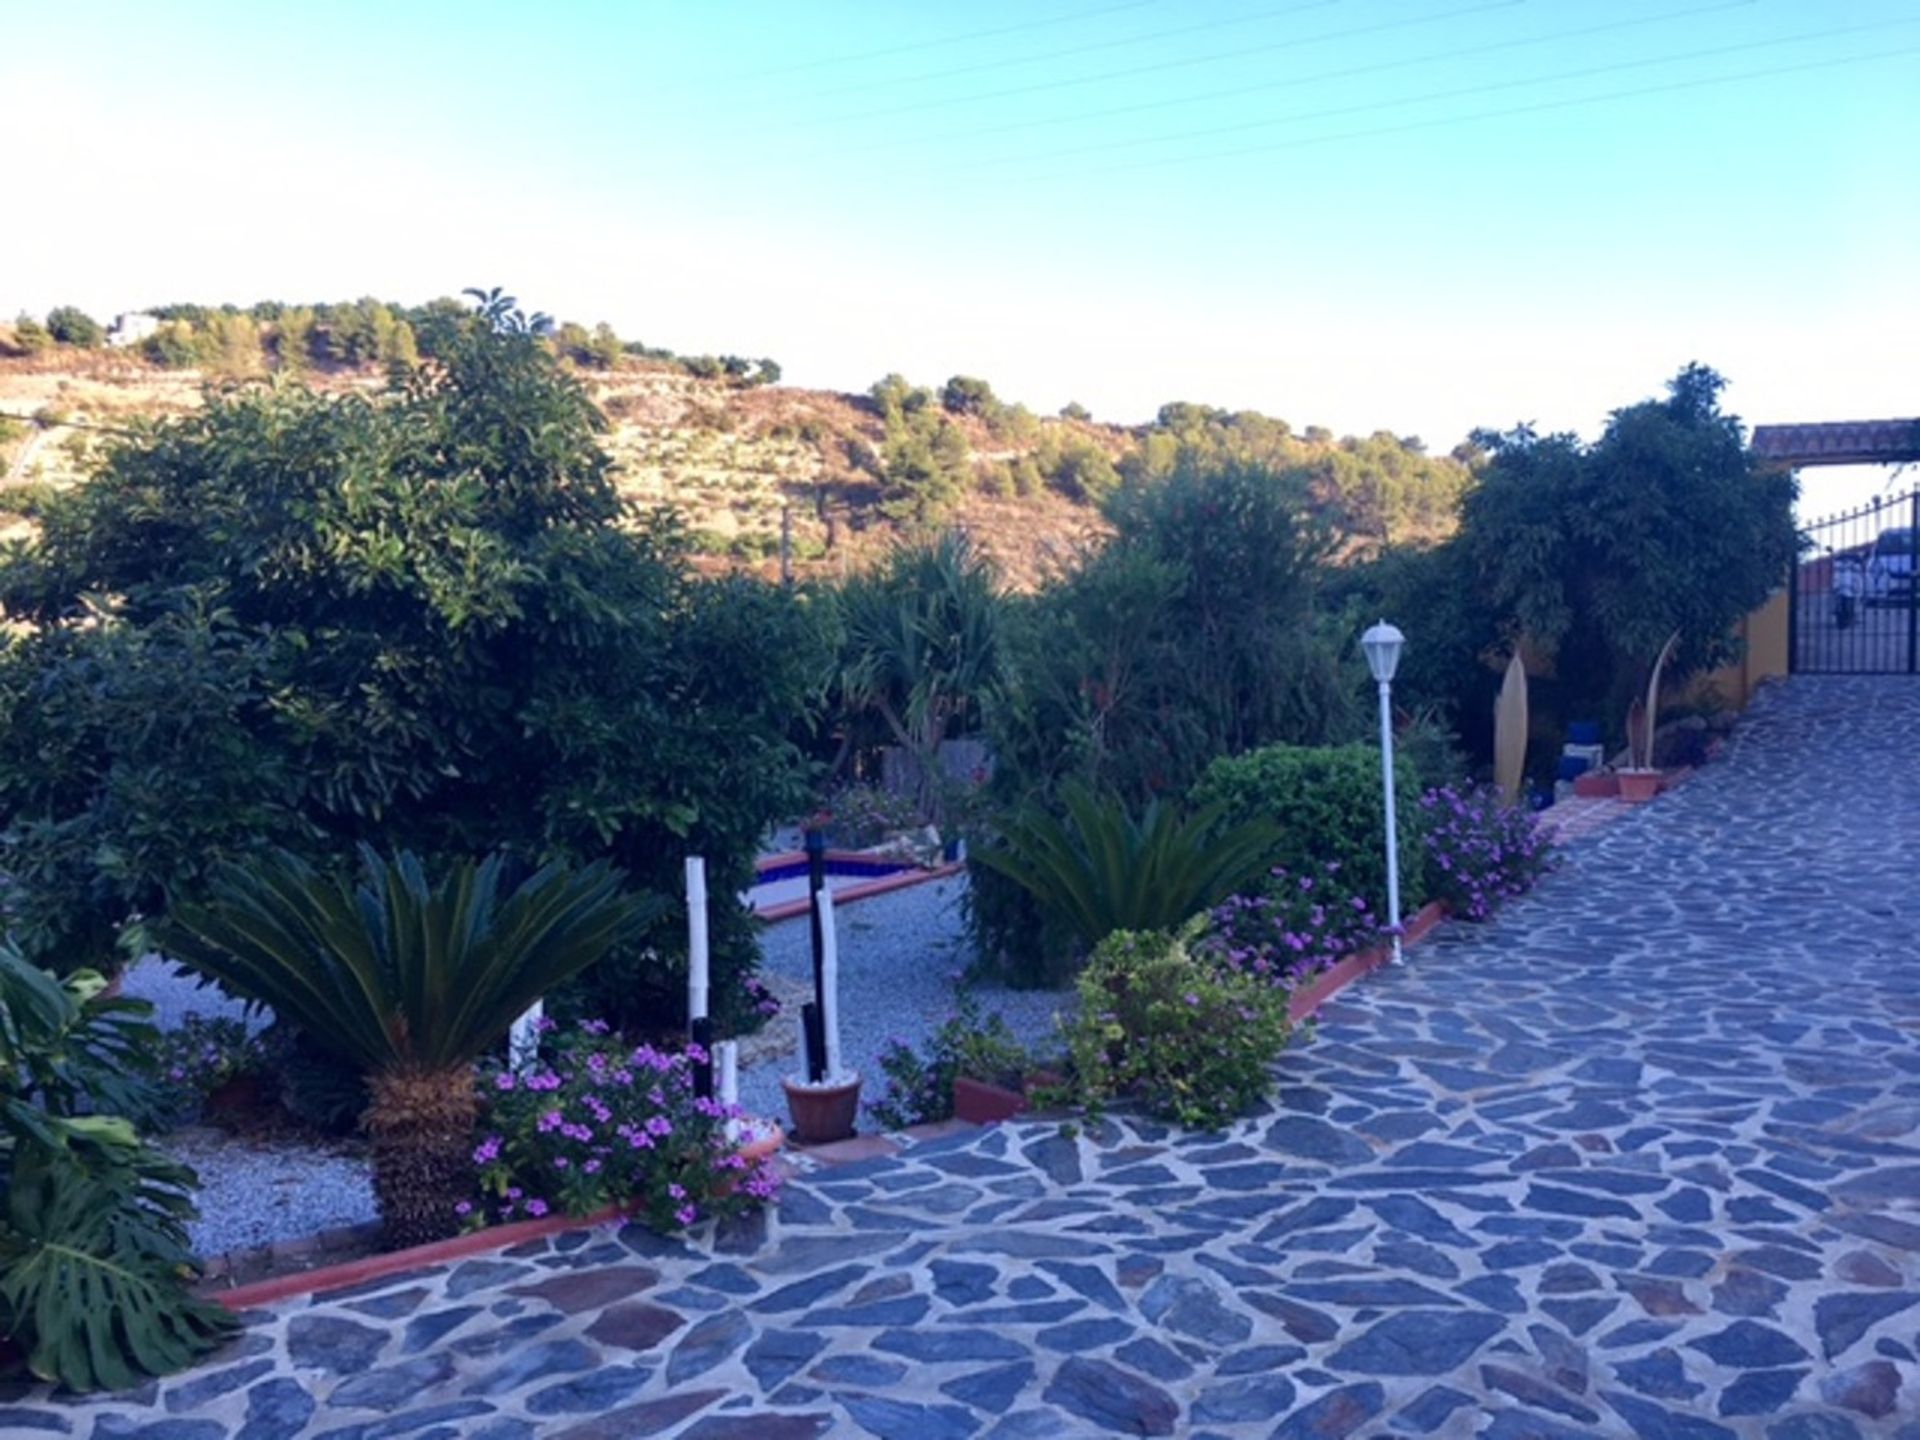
[922, 647]
[410, 980]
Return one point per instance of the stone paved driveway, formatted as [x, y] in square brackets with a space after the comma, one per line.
[1642, 1158]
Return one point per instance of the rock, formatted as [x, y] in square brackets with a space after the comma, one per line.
[1660, 1373]
[1335, 1414]
[332, 1344]
[1843, 1318]
[1087, 1280]
[391, 1386]
[937, 1346]
[904, 1420]
[594, 1288]
[1863, 1267]
[1530, 1390]
[1649, 1421]
[1429, 1410]
[649, 1417]
[602, 1388]
[1418, 1342]
[1871, 1389]
[191, 1394]
[1760, 1392]
[535, 1362]
[1749, 1345]
[1111, 1397]
[1079, 1336]
[277, 1409]
[1150, 1357]
[1190, 1306]
[778, 1354]
[1246, 1398]
[635, 1326]
[707, 1344]
[1312, 1139]
[991, 1390]
[1748, 1292]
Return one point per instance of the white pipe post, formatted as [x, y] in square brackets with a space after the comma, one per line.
[1393, 836]
[696, 938]
[523, 1038]
[729, 1072]
[830, 986]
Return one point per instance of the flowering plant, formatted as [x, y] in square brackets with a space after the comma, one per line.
[1293, 928]
[865, 815]
[198, 1058]
[920, 1090]
[765, 1003]
[604, 1124]
[1186, 1037]
[1480, 851]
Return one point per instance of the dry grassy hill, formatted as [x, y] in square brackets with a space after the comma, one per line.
[730, 458]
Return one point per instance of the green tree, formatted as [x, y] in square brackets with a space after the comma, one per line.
[767, 372]
[29, 334]
[1074, 410]
[1598, 553]
[70, 325]
[422, 619]
[967, 395]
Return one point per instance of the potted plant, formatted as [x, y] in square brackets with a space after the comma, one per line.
[1639, 780]
[823, 1110]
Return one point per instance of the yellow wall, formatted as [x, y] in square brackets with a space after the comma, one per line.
[1764, 636]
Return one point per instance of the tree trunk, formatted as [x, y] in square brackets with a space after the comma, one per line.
[422, 1123]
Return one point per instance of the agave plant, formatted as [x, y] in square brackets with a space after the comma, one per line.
[412, 980]
[94, 1256]
[1103, 869]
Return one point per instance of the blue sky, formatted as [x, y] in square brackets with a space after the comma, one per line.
[1415, 215]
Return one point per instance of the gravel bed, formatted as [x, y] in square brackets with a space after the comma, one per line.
[176, 992]
[254, 1192]
[899, 956]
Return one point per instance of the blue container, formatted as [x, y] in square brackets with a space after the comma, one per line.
[1572, 767]
[1583, 732]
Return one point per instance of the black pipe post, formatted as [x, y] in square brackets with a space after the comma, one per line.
[701, 1033]
[816, 846]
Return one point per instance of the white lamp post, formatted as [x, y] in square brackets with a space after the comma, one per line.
[1383, 643]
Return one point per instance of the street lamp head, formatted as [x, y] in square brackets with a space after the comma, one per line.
[1383, 643]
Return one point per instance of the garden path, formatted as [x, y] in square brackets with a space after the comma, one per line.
[1642, 1157]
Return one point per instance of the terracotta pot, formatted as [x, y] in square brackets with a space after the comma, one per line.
[1637, 787]
[822, 1114]
[242, 1095]
[1597, 785]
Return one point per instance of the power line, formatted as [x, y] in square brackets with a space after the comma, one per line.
[1088, 49]
[935, 44]
[1181, 62]
[1446, 120]
[1465, 92]
[1350, 72]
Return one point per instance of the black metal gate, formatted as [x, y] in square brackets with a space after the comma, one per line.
[1852, 603]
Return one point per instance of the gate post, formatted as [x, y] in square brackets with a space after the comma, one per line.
[1913, 584]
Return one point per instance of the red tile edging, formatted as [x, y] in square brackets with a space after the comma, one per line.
[1331, 982]
[787, 909]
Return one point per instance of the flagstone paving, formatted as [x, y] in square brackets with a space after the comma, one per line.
[1640, 1158]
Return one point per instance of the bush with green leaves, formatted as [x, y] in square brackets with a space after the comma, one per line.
[70, 325]
[1162, 1026]
[920, 1087]
[199, 1056]
[1325, 804]
[1103, 867]
[94, 1258]
[412, 979]
[422, 618]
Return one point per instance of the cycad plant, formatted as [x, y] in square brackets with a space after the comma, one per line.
[412, 980]
[1102, 868]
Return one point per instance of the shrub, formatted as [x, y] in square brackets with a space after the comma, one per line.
[70, 325]
[1159, 1025]
[1480, 851]
[1293, 927]
[968, 395]
[1325, 804]
[30, 335]
[1103, 868]
[412, 980]
[864, 815]
[920, 1090]
[603, 1123]
[94, 1258]
[196, 1059]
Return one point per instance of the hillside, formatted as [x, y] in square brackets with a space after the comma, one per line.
[851, 473]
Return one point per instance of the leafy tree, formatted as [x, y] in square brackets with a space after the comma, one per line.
[767, 372]
[172, 345]
[967, 395]
[70, 325]
[703, 367]
[422, 619]
[1598, 553]
[921, 648]
[1074, 410]
[29, 334]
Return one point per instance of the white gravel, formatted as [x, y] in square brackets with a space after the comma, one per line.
[900, 955]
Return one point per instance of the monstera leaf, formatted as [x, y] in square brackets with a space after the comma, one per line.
[94, 1258]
